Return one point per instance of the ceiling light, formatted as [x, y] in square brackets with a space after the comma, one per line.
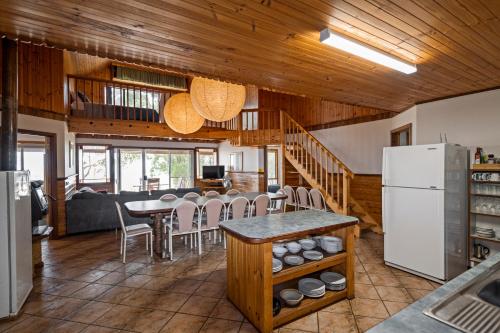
[364, 51]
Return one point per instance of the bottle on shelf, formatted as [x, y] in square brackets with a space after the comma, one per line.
[478, 155]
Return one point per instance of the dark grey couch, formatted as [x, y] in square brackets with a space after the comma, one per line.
[92, 211]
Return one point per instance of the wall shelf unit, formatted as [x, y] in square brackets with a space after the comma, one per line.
[484, 208]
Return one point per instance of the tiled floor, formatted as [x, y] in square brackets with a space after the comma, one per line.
[85, 288]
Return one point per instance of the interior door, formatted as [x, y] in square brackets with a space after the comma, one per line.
[414, 166]
[413, 222]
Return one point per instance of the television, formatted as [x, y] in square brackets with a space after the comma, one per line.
[213, 171]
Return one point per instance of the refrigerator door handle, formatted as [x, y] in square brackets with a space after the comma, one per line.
[384, 210]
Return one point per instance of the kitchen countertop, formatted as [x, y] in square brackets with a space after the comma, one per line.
[273, 227]
[412, 318]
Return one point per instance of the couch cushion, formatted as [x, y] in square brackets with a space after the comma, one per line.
[134, 193]
[87, 195]
[156, 194]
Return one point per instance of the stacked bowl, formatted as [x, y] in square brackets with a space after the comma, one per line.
[312, 287]
[333, 281]
[331, 244]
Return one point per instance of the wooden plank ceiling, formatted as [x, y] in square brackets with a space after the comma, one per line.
[275, 43]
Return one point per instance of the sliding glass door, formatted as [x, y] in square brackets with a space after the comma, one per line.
[131, 169]
[151, 169]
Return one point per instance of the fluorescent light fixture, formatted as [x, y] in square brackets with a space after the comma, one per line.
[364, 51]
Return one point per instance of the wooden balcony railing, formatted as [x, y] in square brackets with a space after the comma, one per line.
[320, 167]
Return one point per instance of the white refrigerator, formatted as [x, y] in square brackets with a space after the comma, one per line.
[424, 209]
[16, 280]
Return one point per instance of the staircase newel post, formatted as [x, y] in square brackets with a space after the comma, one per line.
[345, 192]
[283, 147]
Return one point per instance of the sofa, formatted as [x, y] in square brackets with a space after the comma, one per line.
[88, 211]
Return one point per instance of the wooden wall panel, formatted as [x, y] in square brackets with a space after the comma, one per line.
[41, 78]
[248, 181]
[316, 113]
[86, 65]
[65, 189]
[367, 191]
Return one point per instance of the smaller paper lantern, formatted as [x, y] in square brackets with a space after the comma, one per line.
[180, 114]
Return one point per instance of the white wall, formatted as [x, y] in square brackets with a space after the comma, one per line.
[250, 156]
[404, 118]
[359, 146]
[470, 120]
[60, 129]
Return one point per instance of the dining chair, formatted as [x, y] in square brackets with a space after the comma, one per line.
[237, 208]
[211, 217]
[212, 194]
[232, 192]
[133, 231]
[260, 205]
[191, 195]
[168, 197]
[317, 200]
[183, 221]
[291, 199]
[302, 198]
[278, 205]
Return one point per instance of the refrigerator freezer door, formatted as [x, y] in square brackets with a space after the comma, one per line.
[414, 166]
[413, 222]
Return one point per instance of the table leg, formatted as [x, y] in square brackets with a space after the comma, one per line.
[158, 235]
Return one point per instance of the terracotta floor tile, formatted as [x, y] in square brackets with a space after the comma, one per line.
[5, 324]
[395, 307]
[33, 325]
[415, 282]
[385, 280]
[113, 278]
[339, 307]
[100, 329]
[42, 284]
[226, 310]
[218, 276]
[61, 307]
[170, 301]
[110, 266]
[214, 325]
[199, 305]
[90, 312]
[417, 294]
[159, 283]
[377, 269]
[185, 286]
[365, 291]
[91, 276]
[184, 323]
[66, 288]
[131, 267]
[118, 316]
[211, 289]
[67, 327]
[308, 323]
[365, 323]
[38, 301]
[116, 294]
[362, 278]
[393, 294]
[369, 308]
[135, 281]
[91, 291]
[148, 321]
[336, 323]
[141, 298]
[247, 328]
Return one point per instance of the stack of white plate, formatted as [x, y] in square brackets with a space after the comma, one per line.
[293, 247]
[292, 297]
[317, 239]
[312, 287]
[312, 255]
[294, 260]
[485, 232]
[307, 243]
[331, 244]
[277, 265]
[333, 281]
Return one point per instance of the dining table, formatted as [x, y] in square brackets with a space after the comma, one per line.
[157, 209]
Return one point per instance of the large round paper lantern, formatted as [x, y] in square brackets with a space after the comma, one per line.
[180, 114]
[217, 100]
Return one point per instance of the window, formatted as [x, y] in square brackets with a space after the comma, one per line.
[236, 161]
[204, 156]
[130, 97]
[272, 167]
[32, 159]
[149, 169]
[93, 164]
[401, 136]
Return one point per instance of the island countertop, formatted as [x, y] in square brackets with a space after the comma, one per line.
[412, 319]
[273, 227]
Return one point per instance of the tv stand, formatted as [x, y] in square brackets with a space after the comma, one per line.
[212, 185]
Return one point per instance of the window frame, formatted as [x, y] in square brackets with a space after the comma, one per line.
[396, 133]
[276, 165]
[79, 164]
[198, 171]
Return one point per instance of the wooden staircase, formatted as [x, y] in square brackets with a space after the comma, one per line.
[322, 170]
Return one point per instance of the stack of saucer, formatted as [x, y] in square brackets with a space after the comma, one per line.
[277, 265]
[294, 260]
[312, 287]
[313, 255]
[485, 232]
[331, 244]
[333, 281]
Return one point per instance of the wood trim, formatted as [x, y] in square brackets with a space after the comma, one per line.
[353, 121]
[142, 138]
[456, 95]
[400, 129]
[42, 113]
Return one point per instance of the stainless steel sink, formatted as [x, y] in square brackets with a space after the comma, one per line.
[475, 308]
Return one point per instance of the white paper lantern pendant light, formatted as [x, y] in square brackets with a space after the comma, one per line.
[216, 100]
[180, 114]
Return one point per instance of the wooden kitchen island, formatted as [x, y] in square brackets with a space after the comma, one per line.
[251, 283]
